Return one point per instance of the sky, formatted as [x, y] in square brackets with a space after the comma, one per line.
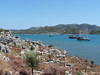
[23, 14]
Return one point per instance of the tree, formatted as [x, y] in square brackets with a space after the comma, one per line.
[31, 60]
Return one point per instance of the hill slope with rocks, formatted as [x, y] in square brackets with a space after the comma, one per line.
[53, 61]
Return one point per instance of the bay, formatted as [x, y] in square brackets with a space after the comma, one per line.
[85, 49]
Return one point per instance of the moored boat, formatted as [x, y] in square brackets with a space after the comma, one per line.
[84, 39]
[73, 36]
[51, 35]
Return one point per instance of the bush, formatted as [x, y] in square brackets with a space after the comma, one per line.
[31, 60]
[78, 73]
[51, 46]
[32, 48]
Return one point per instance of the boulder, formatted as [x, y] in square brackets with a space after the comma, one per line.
[4, 48]
[22, 72]
[1, 72]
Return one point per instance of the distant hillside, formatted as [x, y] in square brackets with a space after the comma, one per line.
[3, 30]
[59, 29]
[95, 32]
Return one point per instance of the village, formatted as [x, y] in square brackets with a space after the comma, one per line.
[54, 61]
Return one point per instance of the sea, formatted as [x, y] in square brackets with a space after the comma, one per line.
[74, 47]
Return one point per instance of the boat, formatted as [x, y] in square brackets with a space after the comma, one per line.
[84, 39]
[51, 35]
[73, 36]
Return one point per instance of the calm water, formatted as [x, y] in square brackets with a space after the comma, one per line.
[86, 49]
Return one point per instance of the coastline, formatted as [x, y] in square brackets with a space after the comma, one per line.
[17, 47]
[85, 49]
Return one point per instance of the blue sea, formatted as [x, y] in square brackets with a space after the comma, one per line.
[85, 49]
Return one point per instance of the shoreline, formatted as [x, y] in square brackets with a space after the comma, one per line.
[48, 54]
[71, 45]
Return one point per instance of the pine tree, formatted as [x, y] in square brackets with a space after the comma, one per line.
[31, 60]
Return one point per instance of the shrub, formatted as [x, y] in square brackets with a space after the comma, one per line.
[31, 60]
[32, 48]
[51, 46]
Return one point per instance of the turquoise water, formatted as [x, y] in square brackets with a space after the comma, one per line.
[86, 49]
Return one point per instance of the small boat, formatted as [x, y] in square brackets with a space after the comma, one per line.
[73, 36]
[84, 39]
[51, 35]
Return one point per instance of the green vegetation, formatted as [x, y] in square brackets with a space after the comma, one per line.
[47, 30]
[2, 30]
[14, 43]
[51, 46]
[95, 32]
[92, 61]
[78, 73]
[6, 30]
[31, 60]
[59, 29]
[32, 48]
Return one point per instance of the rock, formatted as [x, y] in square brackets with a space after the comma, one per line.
[55, 51]
[4, 48]
[22, 72]
[7, 73]
[1, 72]
[5, 58]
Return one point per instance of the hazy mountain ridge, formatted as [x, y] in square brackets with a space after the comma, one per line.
[59, 29]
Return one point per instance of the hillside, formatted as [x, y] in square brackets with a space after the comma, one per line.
[3, 30]
[59, 29]
[53, 61]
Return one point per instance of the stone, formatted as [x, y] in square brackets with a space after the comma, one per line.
[22, 72]
[7, 73]
[1, 72]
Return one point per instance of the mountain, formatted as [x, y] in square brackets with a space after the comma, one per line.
[59, 29]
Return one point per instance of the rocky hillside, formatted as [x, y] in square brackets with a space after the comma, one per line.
[59, 29]
[53, 61]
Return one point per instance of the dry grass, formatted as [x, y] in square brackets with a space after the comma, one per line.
[4, 65]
